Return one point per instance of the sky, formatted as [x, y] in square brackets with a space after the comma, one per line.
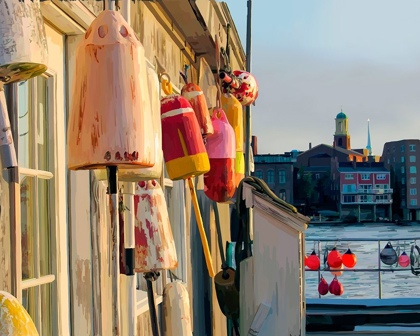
[311, 57]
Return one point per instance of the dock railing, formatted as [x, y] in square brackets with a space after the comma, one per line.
[378, 270]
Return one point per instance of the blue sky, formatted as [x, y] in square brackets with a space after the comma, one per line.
[312, 56]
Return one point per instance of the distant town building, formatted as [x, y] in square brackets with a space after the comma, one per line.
[364, 190]
[402, 158]
[277, 171]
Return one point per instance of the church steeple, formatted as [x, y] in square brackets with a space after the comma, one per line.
[369, 145]
[341, 136]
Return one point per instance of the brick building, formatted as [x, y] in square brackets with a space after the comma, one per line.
[403, 160]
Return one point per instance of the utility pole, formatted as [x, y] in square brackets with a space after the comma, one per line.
[248, 108]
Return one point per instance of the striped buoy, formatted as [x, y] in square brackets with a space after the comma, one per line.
[195, 97]
[183, 147]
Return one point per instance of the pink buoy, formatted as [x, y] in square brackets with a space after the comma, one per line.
[219, 182]
[404, 260]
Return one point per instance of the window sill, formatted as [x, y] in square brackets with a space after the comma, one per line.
[142, 305]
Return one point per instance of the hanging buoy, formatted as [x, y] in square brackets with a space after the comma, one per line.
[306, 260]
[247, 92]
[219, 182]
[14, 319]
[334, 258]
[196, 98]
[404, 260]
[337, 273]
[176, 309]
[349, 259]
[313, 261]
[336, 287]
[323, 287]
[183, 147]
[388, 255]
[234, 113]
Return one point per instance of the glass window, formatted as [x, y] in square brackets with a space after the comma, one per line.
[413, 170]
[37, 189]
[402, 180]
[259, 174]
[317, 176]
[270, 176]
[349, 198]
[413, 180]
[349, 187]
[282, 176]
[412, 158]
[389, 161]
[365, 177]
[413, 191]
[282, 194]
[402, 148]
[402, 170]
[414, 202]
[348, 176]
[402, 159]
[381, 176]
[412, 148]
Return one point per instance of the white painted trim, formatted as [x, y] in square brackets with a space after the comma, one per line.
[38, 281]
[176, 112]
[142, 302]
[42, 174]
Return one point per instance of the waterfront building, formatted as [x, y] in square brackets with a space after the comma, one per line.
[403, 160]
[364, 190]
[277, 171]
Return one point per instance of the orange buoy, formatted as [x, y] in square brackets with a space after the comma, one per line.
[334, 258]
[337, 273]
[404, 260]
[336, 287]
[349, 259]
[313, 261]
[323, 287]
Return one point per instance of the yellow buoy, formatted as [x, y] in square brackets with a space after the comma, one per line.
[14, 319]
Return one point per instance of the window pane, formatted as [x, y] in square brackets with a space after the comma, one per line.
[28, 302]
[42, 123]
[25, 141]
[46, 309]
[44, 226]
[27, 185]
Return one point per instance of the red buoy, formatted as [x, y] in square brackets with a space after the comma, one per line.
[306, 260]
[323, 287]
[404, 260]
[334, 258]
[313, 261]
[336, 287]
[349, 259]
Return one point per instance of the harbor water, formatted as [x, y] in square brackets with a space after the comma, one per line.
[358, 285]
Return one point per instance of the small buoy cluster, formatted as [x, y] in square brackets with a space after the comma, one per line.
[335, 260]
[389, 256]
[335, 287]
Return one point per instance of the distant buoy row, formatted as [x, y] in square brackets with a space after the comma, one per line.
[335, 260]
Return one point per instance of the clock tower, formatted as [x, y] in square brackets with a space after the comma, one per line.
[342, 136]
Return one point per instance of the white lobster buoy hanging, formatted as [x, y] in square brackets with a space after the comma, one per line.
[23, 45]
[155, 246]
[109, 124]
[176, 310]
[23, 55]
[143, 174]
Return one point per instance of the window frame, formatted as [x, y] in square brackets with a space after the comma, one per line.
[36, 174]
[412, 158]
[282, 176]
[270, 179]
[413, 202]
[412, 148]
[413, 170]
[413, 191]
[363, 176]
[349, 176]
